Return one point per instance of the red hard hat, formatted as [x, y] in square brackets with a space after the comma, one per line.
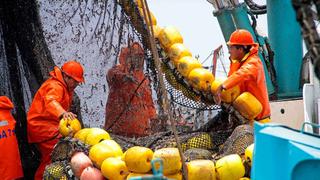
[73, 69]
[241, 37]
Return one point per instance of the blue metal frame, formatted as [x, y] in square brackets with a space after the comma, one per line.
[286, 41]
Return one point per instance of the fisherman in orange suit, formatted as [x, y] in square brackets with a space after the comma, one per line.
[10, 163]
[51, 103]
[246, 70]
[130, 106]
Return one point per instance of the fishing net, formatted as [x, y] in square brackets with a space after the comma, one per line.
[240, 139]
[179, 90]
[66, 147]
[93, 32]
[59, 170]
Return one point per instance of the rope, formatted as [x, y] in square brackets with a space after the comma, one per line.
[165, 100]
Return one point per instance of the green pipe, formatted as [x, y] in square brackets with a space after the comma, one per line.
[226, 22]
[286, 41]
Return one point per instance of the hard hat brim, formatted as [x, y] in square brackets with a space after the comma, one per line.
[79, 80]
[245, 44]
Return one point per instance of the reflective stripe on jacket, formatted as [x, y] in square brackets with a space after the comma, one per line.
[249, 75]
[10, 163]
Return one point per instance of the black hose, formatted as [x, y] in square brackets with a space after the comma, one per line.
[255, 8]
[309, 31]
[258, 12]
[253, 5]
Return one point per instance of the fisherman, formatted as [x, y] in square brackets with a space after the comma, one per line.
[130, 107]
[246, 70]
[10, 163]
[51, 103]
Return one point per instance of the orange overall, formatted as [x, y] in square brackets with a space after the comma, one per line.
[129, 109]
[49, 103]
[249, 75]
[10, 163]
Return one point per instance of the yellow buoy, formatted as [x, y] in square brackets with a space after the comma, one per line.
[82, 134]
[177, 51]
[138, 159]
[68, 127]
[99, 152]
[114, 146]
[171, 160]
[201, 79]
[169, 36]
[96, 135]
[230, 167]
[201, 169]
[248, 154]
[247, 105]
[114, 168]
[227, 96]
[186, 64]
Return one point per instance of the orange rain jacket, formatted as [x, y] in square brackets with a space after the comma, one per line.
[249, 75]
[10, 163]
[50, 101]
[133, 119]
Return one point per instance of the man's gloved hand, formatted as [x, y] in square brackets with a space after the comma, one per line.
[68, 115]
[217, 96]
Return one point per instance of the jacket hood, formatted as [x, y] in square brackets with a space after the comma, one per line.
[253, 51]
[5, 103]
[56, 73]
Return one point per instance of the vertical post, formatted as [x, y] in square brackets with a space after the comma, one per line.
[286, 41]
[226, 22]
[241, 19]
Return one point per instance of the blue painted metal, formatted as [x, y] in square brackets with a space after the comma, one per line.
[286, 41]
[241, 18]
[242, 21]
[284, 153]
[157, 169]
[225, 21]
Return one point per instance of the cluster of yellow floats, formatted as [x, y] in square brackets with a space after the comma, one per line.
[107, 160]
[198, 77]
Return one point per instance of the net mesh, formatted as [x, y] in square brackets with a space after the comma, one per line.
[240, 139]
[214, 138]
[57, 171]
[179, 90]
[60, 168]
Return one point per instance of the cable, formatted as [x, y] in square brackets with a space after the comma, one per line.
[255, 8]
[207, 57]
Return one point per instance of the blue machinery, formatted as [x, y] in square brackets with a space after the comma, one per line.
[285, 39]
[284, 153]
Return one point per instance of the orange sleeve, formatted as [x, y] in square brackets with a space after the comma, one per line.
[52, 99]
[247, 71]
